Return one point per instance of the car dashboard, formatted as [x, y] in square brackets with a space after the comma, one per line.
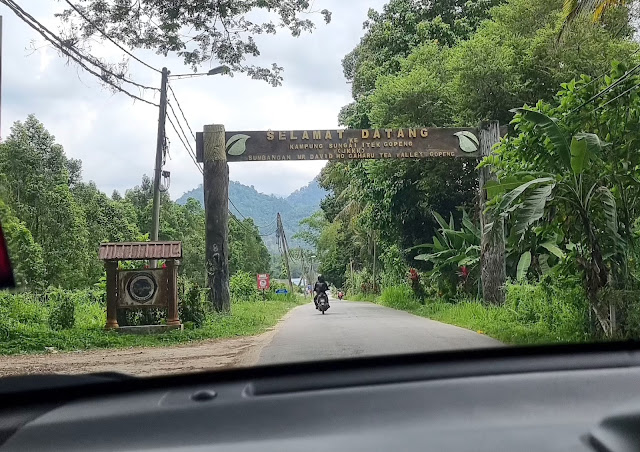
[548, 399]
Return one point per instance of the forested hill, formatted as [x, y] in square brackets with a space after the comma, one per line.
[263, 208]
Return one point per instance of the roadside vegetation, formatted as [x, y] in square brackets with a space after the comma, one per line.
[532, 313]
[71, 320]
[407, 234]
[54, 223]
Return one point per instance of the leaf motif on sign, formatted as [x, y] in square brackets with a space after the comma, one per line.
[468, 142]
[237, 144]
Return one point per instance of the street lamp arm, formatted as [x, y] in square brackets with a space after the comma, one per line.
[214, 71]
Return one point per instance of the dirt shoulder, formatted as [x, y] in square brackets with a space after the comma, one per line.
[146, 361]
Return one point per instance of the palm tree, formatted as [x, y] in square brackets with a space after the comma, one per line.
[595, 8]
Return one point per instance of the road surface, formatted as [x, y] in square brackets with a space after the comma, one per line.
[350, 329]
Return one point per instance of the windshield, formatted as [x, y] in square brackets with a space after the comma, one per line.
[238, 183]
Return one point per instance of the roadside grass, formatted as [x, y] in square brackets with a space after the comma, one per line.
[24, 328]
[529, 316]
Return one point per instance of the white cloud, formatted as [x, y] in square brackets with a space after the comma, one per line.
[116, 138]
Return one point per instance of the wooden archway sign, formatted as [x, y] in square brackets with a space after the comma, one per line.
[215, 148]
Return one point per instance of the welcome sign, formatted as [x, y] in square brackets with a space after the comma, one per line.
[347, 144]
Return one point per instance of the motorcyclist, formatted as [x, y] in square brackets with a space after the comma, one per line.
[320, 287]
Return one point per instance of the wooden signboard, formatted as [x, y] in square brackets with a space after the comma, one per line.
[347, 144]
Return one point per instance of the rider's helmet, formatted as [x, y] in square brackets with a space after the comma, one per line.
[320, 278]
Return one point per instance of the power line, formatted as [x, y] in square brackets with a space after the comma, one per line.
[67, 50]
[618, 96]
[246, 228]
[184, 134]
[109, 38]
[185, 145]
[182, 112]
[622, 78]
[190, 153]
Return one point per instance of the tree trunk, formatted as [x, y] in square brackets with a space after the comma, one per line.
[493, 270]
[216, 204]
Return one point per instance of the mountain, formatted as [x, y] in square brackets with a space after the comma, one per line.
[263, 208]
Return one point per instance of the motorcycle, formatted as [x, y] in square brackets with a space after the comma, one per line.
[340, 295]
[323, 302]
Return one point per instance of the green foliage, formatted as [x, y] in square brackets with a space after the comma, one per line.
[394, 266]
[455, 256]
[243, 286]
[399, 296]
[54, 222]
[532, 314]
[24, 324]
[24, 251]
[247, 250]
[154, 25]
[392, 34]
[578, 186]
[193, 305]
[62, 311]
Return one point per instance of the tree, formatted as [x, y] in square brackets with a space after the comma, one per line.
[247, 251]
[556, 172]
[574, 9]
[25, 253]
[512, 59]
[220, 31]
[37, 190]
[311, 228]
[106, 221]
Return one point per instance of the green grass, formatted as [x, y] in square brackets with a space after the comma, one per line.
[527, 317]
[27, 331]
[362, 297]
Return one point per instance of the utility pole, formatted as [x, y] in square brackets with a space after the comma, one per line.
[216, 209]
[285, 251]
[155, 220]
[373, 287]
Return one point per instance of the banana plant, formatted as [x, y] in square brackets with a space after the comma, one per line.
[576, 191]
[453, 251]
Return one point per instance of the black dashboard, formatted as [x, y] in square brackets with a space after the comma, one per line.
[558, 398]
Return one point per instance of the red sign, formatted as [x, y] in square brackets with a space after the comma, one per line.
[263, 281]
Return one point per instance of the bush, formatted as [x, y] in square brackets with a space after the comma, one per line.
[398, 297]
[242, 286]
[23, 307]
[394, 267]
[192, 307]
[62, 311]
[564, 311]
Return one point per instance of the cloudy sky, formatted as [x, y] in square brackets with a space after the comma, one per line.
[115, 137]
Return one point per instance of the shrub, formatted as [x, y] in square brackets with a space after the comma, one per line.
[394, 267]
[398, 297]
[193, 308]
[242, 286]
[62, 311]
[564, 311]
[23, 307]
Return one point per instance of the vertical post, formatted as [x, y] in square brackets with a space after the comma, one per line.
[157, 174]
[373, 286]
[285, 251]
[171, 273]
[111, 268]
[216, 205]
[351, 265]
[492, 253]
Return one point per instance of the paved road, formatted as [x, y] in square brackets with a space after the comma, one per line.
[350, 329]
